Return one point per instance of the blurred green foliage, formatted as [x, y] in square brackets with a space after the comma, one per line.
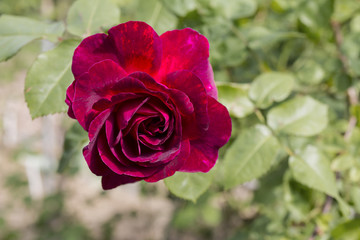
[288, 71]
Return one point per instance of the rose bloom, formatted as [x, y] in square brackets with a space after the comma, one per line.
[148, 103]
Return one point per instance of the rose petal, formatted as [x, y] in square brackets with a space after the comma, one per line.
[91, 50]
[204, 151]
[186, 49]
[111, 130]
[104, 74]
[138, 47]
[69, 99]
[98, 123]
[127, 110]
[115, 165]
[112, 180]
[93, 86]
[180, 99]
[174, 165]
[198, 123]
[94, 161]
[149, 155]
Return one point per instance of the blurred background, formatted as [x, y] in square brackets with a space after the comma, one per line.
[49, 193]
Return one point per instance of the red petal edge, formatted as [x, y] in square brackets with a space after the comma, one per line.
[204, 151]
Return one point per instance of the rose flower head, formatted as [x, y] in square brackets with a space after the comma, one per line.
[148, 103]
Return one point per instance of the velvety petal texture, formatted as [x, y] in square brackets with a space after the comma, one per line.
[148, 103]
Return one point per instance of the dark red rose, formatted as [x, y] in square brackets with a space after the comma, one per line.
[148, 103]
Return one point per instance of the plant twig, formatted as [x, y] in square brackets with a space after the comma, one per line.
[338, 42]
[351, 91]
[325, 209]
[353, 100]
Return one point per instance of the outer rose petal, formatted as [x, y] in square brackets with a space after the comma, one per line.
[138, 47]
[187, 50]
[90, 152]
[204, 151]
[92, 86]
[91, 50]
[173, 165]
[94, 161]
[69, 99]
[112, 180]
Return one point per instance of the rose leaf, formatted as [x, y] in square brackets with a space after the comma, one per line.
[16, 32]
[302, 116]
[250, 156]
[86, 17]
[189, 186]
[48, 78]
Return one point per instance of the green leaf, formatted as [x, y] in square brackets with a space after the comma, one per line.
[189, 186]
[355, 196]
[302, 116]
[235, 98]
[155, 14]
[263, 38]
[351, 49]
[75, 139]
[314, 18]
[250, 156]
[48, 79]
[86, 17]
[355, 24]
[349, 230]
[180, 7]
[234, 9]
[311, 168]
[186, 217]
[311, 73]
[343, 162]
[271, 87]
[344, 9]
[229, 52]
[16, 32]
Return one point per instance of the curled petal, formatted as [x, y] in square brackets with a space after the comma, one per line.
[98, 123]
[173, 165]
[94, 161]
[196, 124]
[116, 166]
[204, 151]
[104, 74]
[91, 50]
[179, 98]
[91, 87]
[127, 110]
[138, 47]
[112, 180]
[69, 99]
[186, 49]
